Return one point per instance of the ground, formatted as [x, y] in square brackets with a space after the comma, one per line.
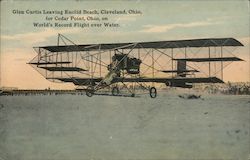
[102, 127]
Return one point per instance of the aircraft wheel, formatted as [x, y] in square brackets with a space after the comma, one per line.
[90, 91]
[152, 92]
[115, 91]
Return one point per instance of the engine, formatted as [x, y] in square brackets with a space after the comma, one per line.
[123, 62]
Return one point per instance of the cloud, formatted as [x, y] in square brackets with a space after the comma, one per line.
[166, 28]
[35, 37]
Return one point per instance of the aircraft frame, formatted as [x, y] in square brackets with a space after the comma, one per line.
[94, 67]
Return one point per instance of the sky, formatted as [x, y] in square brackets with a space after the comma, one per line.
[160, 20]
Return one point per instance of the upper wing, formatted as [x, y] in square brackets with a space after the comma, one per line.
[209, 42]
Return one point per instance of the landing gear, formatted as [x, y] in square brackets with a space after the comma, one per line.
[115, 91]
[90, 91]
[152, 92]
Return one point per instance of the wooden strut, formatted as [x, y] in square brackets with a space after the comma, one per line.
[221, 51]
[172, 62]
[153, 64]
[209, 64]
[92, 68]
[100, 61]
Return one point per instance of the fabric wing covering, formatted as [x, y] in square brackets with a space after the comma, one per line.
[211, 42]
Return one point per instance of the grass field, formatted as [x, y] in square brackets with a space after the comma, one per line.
[102, 127]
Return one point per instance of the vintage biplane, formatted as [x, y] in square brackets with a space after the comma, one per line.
[135, 65]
